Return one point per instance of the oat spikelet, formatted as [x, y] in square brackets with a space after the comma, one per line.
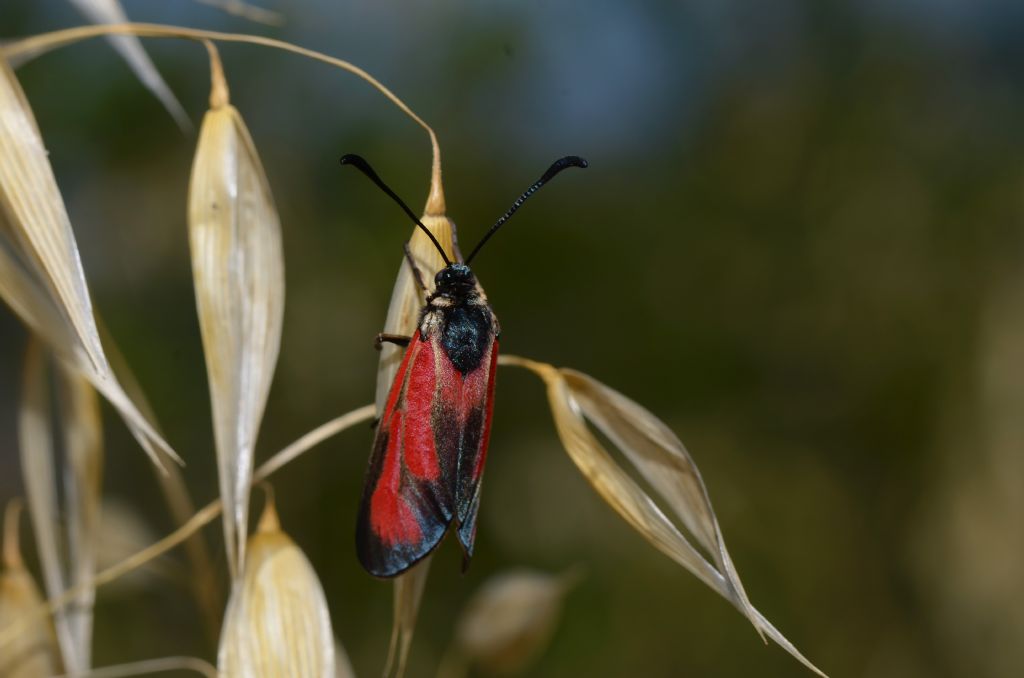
[508, 622]
[659, 457]
[277, 622]
[33, 653]
[238, 269]
[41, 276]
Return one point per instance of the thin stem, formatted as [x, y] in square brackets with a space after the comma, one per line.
[44, 42]
[12, 547]
[140, 668]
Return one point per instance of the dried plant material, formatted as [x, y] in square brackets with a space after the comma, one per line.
[38, 466]
[34, 652]
[67, 562]
[509, 621]
[41, 275]
[149, 666]
[342, 665]
[238, 269]
[246, 11]
[277, 622]
[130, 49]
[651, 447]
[123, 532]
[409, 588]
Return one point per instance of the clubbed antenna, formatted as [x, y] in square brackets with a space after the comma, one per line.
[360, 164]
[556, 167]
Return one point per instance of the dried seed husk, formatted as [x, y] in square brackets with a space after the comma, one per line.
[33, 654]
[510, 620]
[69, 560]
[238, 270]
[653, 451]
[130, 49]
[277, 622]
[41, 276]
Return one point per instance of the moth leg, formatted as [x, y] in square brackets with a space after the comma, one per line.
[415, 269]
[397, 339]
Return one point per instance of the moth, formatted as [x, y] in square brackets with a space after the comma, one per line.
[427, 461]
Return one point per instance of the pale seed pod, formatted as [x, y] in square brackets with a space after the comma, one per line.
[277, 622]
[657, 455]
[510, 620]
[238, 270]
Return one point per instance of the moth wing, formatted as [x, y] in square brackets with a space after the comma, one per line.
[407, 502]
[476, 408]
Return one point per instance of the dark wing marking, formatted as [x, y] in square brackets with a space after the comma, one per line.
[407, 502]
[462, 423]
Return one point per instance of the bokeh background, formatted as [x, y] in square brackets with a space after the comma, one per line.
[799, 243]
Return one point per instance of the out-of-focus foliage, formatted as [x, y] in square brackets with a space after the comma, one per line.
[794, 216]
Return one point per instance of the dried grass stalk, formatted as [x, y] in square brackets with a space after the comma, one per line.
[41, 275]
[403, 312]
[130, 49]
[277, 622]
[658, 456]
[33, 654]
[68, 561]
[508, 622]
[238, 269]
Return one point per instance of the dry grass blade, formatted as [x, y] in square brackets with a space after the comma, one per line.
[409, 588]
[83, 477]
[508, 622]
[148, 666]
[238, 269]
[41, 275]
[201, 518]
[246, 11]
[277, 622]
[111, 12]
[33, 654]
[38, 467]
[648, 445]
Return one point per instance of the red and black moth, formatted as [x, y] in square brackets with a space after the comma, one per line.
[428, 455]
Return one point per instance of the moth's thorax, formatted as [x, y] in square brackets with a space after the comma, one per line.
[458, 313]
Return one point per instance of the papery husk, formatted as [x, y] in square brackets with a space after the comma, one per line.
[130, 49]
[41, 276]
[238, 269]
[33, 654]
[277, 622]
[407, 299]
[660, 458]
[68, 560]
[510, 620]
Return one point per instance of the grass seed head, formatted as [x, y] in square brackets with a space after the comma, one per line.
[238, 273]
[277, 622]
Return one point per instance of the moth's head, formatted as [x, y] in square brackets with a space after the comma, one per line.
[455, 277]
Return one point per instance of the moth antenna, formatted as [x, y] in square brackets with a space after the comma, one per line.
[556, 167]
[360, 164]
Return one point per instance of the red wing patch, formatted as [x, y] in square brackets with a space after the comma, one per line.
[462, 421]
[407, 500]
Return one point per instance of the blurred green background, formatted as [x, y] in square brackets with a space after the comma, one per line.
[799, 243]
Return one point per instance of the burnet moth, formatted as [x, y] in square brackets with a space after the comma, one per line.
[431, 440]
